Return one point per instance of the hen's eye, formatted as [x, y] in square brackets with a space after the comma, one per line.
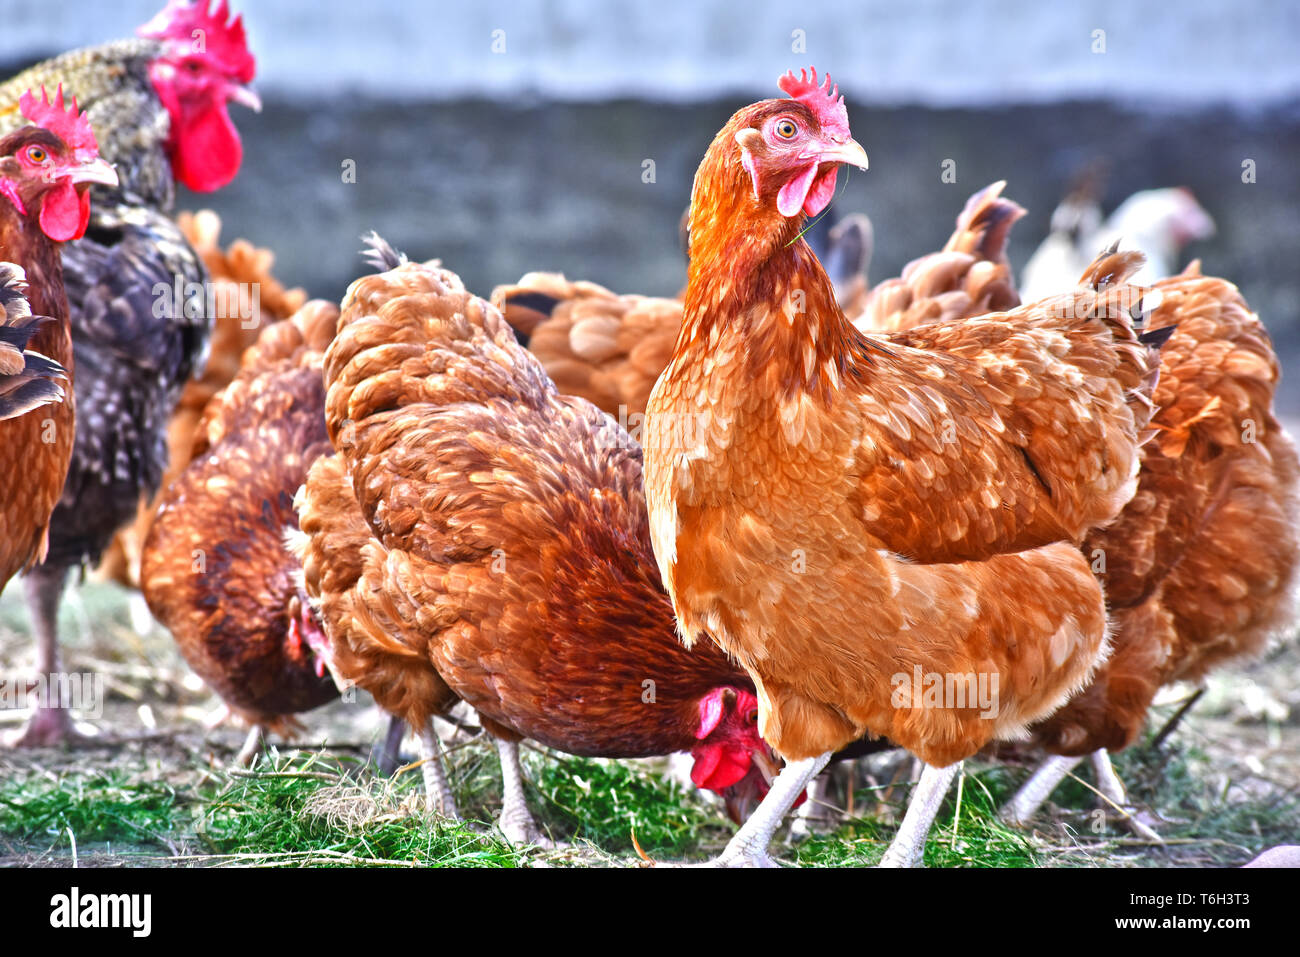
[752, 716]
[786, 129]
[36, 154]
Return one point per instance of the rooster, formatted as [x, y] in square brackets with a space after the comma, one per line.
[840, 513]
[481, 537]
[1201, 567]
[159, 107]
[215, 568]
[46, 170]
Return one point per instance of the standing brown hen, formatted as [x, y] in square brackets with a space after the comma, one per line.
[841, 513]
[46, 169]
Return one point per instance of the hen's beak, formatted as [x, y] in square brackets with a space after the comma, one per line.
[850, 154]
[95, 171]
[245, 96]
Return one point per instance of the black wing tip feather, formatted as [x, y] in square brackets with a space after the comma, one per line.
[1156, 338]
[380, 254]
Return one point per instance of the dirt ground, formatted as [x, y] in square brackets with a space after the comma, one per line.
[1240, 744]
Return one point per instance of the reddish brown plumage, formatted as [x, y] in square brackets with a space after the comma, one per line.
[215, 568]
[507, 560]
[38, 444]
[1200, 567]
[834, 510]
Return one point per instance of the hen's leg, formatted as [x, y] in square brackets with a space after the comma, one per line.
[51, 723]
[252, 746]
[437, 789]
[749, 846]
[908, 848]
[516, 821]
[1109, 784]
[818, 814]
[387, 754]
[1026, 802]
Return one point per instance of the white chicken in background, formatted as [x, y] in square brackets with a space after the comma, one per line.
[1159, 222]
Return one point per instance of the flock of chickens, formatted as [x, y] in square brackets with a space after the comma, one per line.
[724, 524]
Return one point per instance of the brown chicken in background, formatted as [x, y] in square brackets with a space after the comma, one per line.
[507, 560]
[968, 277]
[839, 512]
[1200, 568]
[232, 271]
[216, 570]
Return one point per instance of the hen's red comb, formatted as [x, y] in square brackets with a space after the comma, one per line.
[824, 101]
[67, 124]
[211, 33]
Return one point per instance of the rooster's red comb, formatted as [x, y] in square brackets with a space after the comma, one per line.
[203, 32]
[824, 101]
[68, 125]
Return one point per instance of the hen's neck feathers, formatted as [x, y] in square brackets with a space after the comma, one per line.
[752, 278]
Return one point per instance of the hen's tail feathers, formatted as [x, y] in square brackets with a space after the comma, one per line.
[27, 379]
[1111, 266]
[1120, 305]
[985, 223]
[380, 254]
[532, 300]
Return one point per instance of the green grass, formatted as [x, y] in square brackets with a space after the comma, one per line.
[312, 809]
[606, 802]
[967, 832]
[96, 807]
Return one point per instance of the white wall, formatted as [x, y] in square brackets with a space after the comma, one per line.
[935, 51]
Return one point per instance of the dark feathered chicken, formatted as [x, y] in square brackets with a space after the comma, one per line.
[135, 287]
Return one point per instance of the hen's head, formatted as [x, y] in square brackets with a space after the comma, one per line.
[732, 758]
[46, 169]
[792, 149]
[306, 641]
[206, 63]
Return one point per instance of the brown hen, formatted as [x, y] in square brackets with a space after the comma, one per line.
[1200, 568]
[508, 560]
[840, 513]
[215, 569]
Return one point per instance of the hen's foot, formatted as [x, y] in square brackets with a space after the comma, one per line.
[50, 728]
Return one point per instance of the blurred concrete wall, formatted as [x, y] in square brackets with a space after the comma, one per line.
[930, 52]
